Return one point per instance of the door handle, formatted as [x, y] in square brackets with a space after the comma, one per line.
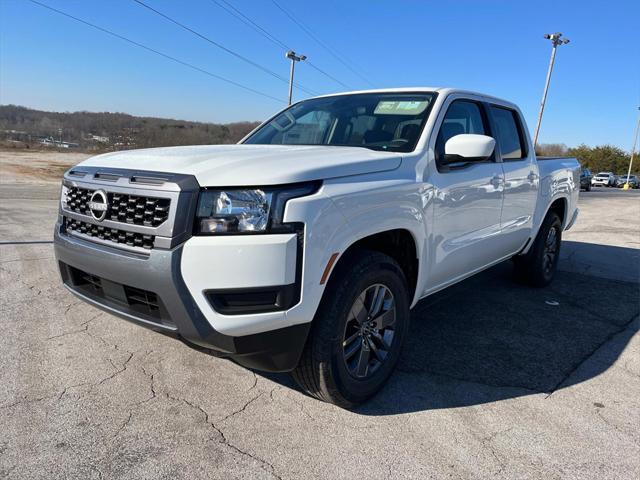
[496, 180]
[532, 176]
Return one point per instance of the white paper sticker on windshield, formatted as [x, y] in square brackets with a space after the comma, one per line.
[388, 107]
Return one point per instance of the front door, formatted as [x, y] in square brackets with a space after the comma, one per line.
[467, 201]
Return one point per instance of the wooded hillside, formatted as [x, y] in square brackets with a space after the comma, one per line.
[21, 126]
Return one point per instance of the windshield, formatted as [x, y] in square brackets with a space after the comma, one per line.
[379, 121]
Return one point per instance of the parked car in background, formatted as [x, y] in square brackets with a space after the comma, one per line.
[585, 179]
[634, 182]
[604, 179]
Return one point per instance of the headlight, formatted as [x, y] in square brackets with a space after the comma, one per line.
[64, 194]
[254, 210]
[227, 211]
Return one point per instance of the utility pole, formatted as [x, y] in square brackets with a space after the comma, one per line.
[555, 41]
[633, 151]
[294, 58]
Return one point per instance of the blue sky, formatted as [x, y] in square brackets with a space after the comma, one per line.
[494, 46]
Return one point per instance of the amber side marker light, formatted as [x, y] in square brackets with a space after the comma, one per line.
[327, 269]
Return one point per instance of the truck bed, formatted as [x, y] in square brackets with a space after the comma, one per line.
[539, 159]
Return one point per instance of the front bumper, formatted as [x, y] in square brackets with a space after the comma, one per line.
[158, 275]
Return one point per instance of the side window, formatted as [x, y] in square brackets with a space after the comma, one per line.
[509, 133]
[463, 116]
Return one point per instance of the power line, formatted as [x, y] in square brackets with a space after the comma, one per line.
[157, 52]
[247, 21]
[232, 10]
[328, 75]
[308, 31]
[222, 47]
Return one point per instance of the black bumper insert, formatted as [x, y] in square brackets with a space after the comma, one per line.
[245, 301]
[124, 298]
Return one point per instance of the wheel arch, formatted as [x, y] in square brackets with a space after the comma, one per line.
[560, 205]
[398, 243]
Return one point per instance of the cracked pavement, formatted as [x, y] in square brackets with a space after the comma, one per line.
[496, 379]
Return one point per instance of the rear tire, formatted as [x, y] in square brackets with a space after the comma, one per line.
[538, 267]
[349, 355]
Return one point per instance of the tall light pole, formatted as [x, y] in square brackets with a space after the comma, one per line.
[633, 151]
[294, 58]
[556, 40]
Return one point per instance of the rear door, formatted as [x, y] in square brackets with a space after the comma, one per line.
[467, 201]
[521, 177]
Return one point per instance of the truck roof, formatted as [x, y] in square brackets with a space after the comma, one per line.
[442, 90]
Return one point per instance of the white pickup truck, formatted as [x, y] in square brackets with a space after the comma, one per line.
[304, 247]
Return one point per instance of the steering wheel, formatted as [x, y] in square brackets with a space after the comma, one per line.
[398, 142]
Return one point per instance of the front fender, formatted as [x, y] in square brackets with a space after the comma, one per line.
[375, 207]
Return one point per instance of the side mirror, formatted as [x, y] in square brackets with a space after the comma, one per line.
[468, 147]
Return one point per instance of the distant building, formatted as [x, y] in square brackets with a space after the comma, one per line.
[50, 142]
[98, 138]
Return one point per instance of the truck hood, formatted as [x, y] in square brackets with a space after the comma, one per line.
[243, 165]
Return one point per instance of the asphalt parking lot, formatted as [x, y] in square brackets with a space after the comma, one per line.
[497, 380]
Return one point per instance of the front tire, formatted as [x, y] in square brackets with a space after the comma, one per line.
[538, 267]
[358, 331]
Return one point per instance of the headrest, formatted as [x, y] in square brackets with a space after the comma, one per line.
[450, 130]
[410, 132]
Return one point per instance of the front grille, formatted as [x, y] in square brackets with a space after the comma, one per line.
[131, 239]
[78, 199]
[132, 209]
[135, 301]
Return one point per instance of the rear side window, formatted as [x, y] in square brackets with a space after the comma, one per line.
[509, 133]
